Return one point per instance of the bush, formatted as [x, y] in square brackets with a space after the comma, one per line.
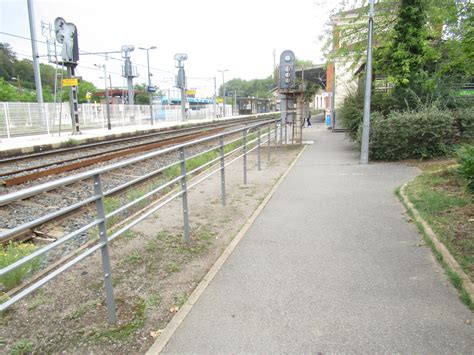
[464, 122]
[421, 134]
[466, 160]
[351, 112]
[11, 253]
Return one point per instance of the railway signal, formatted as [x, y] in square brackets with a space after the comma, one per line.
[66, 34]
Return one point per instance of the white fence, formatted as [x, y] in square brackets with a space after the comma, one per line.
[21, 118]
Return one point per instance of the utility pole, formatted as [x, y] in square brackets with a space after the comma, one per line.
[34, 49]
[235, 103]
[215, 97]
[106, 92]
[149, 89]
[364, 153]
[223, 90]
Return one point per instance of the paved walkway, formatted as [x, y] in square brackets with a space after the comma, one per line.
[330, 265]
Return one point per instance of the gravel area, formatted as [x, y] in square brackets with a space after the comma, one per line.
[153, 271]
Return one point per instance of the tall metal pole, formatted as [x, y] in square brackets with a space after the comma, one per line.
[223, 93]
[149, 84]
[364, 154]
[215, 97]
[149, 80]
[34, 49]
[223, 88]
[235, 103]
[107, 103]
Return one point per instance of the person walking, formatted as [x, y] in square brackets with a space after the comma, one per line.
[308, 119]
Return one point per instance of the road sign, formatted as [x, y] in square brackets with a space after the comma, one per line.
[88, 95]
[70, 82]
[151, 88]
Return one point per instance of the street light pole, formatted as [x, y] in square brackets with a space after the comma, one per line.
[149, 80]
[223, 90]
[364, 153]
[106, 92]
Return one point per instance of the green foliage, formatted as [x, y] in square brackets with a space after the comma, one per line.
[17, 80]
[464, 121]
[422, 134]
[466, 161]
[11, 253]
[8, 92]
[249, 88]
[22, 347]
[405, 56]
[7, 57]
[351, 112]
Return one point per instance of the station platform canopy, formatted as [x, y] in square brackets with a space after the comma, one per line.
[316, 74]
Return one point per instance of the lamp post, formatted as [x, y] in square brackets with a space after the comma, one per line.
[109, 125]
[149, 80]
[223, 90]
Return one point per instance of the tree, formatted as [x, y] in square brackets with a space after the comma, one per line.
[406, 57]
[248, 88]
[7, 58]
[8, 92]
[83, 88]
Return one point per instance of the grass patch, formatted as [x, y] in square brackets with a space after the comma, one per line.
[180, 299]
[22, 347]
[154, 301]
[135, 258]
[172, 266]
[125, 330]
[71, 142]
[453, 276]
[442, 200]
[39, 300]
[83, 309]
[11, 253]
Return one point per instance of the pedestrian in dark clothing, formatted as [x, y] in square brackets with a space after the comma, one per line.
[308, 119]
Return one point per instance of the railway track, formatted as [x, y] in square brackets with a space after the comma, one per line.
[61, 212]
[24, 211]
[21, 169]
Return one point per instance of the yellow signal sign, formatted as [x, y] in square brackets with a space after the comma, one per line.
[219, 100]
[70, 82]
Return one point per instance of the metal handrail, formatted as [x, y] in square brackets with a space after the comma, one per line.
[99, 194]
[34, 190]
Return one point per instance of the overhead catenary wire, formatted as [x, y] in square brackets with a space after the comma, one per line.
[84, 52]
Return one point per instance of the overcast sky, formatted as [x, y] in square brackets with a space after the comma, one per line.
[236, 35]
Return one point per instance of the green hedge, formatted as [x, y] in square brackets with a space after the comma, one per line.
[421, 134]
[464, 122]
[466, 160]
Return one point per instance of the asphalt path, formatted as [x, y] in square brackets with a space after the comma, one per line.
[330, 265]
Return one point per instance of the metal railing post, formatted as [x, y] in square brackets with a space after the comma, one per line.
[184, 188]
[245, 155]
[258, 149]
[109, 291]
[221, 148]
[46, 117]
[269, 140]
[276, 133]
[281, 132]
[286, 133]
[29, 114]
[7, 119]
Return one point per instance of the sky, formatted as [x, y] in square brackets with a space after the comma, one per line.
[240, 36]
